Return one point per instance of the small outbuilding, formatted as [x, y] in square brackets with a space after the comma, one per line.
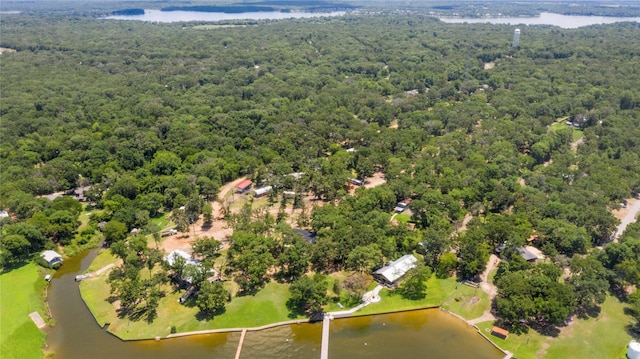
[499, 332]
[395, 270]
[243, 186]
[530, 253]
[51, 257]
[259, 192]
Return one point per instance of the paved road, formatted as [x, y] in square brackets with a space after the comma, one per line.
[628, 219]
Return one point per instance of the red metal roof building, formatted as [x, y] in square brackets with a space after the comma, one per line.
[244, 186]
[499, 332]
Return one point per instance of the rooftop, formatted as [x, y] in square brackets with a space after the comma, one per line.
[394, 270]
[244, 184]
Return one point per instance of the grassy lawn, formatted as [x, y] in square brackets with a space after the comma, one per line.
[437, 291]
[403, 218]
[267, 306]
[602, 337]
[161, 221]
[576, 134]
[20, 294]
[105, 257]
[467, 302]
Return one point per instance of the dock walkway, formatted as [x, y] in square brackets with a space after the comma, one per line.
[324, 348]
[239, 350]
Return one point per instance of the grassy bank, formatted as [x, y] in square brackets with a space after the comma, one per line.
[267, 306]
[603, 337]
[437, 291]
[20, 294]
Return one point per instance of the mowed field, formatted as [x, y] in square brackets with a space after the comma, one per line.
[19, 296]
[603, 337]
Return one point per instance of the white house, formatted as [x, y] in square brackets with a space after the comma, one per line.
[171, 257]
[51, 257]
[394, 270]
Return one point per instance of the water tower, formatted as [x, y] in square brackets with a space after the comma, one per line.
[516, 38]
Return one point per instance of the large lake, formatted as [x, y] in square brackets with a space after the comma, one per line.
[425, 333]
[545, 18]
[176, 16]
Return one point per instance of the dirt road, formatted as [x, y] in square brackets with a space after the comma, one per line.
[218, 229]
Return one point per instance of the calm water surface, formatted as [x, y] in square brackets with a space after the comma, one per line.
[175, 16]
[545, 18]
[428, 333]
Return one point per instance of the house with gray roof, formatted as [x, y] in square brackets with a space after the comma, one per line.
[390, 274]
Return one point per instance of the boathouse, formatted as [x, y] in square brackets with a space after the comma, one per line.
[395, 270]
[51, 257]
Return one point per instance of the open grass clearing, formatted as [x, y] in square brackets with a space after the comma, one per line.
[604, 337]
[161, 221]
[576, 134]
[468, 302]
[20, 294]
[403, 218]
[102, 259]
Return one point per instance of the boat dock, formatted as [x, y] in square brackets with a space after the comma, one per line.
[239, 350]
[324, 349]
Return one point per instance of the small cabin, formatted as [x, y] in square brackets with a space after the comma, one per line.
[243, 186]
[51, 257]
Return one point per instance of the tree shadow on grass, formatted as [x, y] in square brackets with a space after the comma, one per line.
[546, 329]
[633, 329]
[591, 312]
[207, 316]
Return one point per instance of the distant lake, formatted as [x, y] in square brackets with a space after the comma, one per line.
[545, 18]
[176, 16]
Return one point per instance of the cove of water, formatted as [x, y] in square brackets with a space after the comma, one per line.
[176, 16]
[417, 334]
[545, 18]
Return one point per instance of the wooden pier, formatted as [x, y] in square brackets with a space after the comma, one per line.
[239, 350]
[324, 349]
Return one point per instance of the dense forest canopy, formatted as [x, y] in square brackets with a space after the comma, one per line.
[156, 117]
